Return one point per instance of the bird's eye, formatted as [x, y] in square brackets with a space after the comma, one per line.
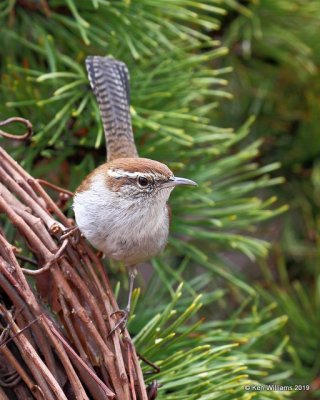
[143, 182]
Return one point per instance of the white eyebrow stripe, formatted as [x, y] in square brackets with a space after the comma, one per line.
[120, 173]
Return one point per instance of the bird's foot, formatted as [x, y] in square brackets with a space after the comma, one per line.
[122, 322]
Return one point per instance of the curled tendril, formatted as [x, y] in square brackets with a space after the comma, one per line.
[23, 121]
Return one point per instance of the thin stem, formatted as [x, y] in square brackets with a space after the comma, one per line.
[23, 137]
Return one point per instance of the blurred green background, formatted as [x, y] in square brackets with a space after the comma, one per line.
[226, 93]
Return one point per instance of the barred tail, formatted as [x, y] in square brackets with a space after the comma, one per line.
[109, 79]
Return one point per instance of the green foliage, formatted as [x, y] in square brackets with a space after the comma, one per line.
[177, 83]
[296, 289]
[299, 300]
[275, 52]
[206, 360]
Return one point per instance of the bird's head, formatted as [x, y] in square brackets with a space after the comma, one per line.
[131, 184]
[142, 179]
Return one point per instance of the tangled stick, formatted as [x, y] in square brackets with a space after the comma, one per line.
[63, 351]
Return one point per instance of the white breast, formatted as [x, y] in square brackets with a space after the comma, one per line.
[120, 227]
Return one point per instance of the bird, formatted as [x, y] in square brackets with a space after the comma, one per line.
[121, 207]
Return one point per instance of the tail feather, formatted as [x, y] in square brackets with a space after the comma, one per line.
[109, 79]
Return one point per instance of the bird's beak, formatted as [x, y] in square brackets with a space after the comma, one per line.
[175, 181]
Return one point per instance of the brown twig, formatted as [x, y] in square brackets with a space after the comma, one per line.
[32, 359]
[25, 122]
[49, 263]
[10, 287]
[108, 393]
[7, 329]
[19, 370]
[27, 259]
[58, 189]
[156, 369]
[72, 281]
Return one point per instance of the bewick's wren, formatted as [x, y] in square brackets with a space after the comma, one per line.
[121, 207]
